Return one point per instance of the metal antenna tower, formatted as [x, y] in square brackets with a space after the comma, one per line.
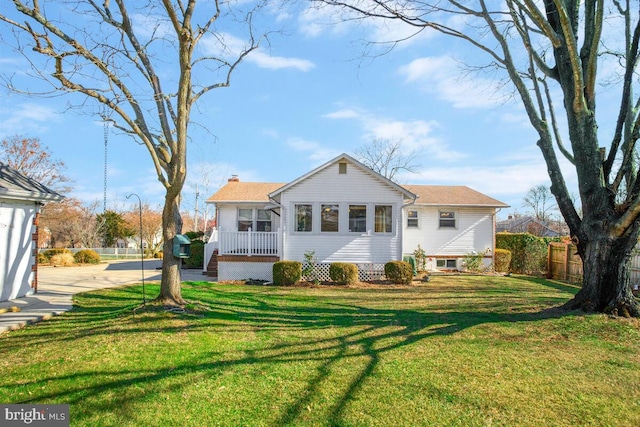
[106, 141]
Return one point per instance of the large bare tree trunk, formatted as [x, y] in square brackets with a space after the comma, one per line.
[606, 286]
[170, 285]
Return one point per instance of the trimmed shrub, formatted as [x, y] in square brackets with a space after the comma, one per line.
[42, 258]
[400, 272]
[196, 260]
[343, 273]
[87, 256]
[63, 259]
[503, 260]
[287, 273]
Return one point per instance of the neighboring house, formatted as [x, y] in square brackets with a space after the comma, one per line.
[529, 224]
[344, 211]
[20, 201]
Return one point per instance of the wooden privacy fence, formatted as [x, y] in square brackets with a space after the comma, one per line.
[564, 263]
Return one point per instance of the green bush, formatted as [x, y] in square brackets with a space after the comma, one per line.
[400, 272]
[86, 256]
[503, 260]
[343, 273]
[287, 273]
[196, 258]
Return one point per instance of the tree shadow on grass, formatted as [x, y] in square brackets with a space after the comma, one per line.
[329, 332]
[570, 288]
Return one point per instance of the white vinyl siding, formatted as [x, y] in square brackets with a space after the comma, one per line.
[473, 232]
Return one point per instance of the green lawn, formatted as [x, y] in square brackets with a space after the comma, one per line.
[458, 351]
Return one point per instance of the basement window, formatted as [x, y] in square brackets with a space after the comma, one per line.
[446, 263]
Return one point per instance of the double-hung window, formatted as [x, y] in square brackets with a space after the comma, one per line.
[412, 219]
[263, 220]
[245, 219]
[254, 219]
[447, 219]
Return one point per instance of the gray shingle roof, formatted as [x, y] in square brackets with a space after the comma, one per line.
[14, 185]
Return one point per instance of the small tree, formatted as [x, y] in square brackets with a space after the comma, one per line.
[70, 223]
[421, 259]
[32, 159]
[151, 225]
[112, 227]
[387, 157]
[541, 201]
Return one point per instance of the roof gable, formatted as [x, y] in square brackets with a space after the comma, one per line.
[345, 157]
[15, 185]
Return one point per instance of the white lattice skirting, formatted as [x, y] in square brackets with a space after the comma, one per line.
[231, 271]
[366, 272]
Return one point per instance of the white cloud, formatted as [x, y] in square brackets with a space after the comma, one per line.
[316, 152]
[227, 45]
[263, 60]
[415, 135]
[344, 114]
[148, 26]
[444, 77]
[27, 118]
[318, 20]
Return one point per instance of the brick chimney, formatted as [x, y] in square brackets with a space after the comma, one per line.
[234, 178]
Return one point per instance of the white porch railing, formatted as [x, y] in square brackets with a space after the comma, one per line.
[249, 243]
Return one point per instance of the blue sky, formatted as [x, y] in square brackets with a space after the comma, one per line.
[303, 101]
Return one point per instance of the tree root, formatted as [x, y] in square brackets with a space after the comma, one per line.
[171, 302]
[617, 307]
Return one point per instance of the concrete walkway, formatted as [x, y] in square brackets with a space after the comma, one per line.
[57, 285]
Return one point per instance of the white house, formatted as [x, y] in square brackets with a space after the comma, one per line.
[20, 201]
[344, 211]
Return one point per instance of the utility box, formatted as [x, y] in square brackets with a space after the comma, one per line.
[181, 246]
